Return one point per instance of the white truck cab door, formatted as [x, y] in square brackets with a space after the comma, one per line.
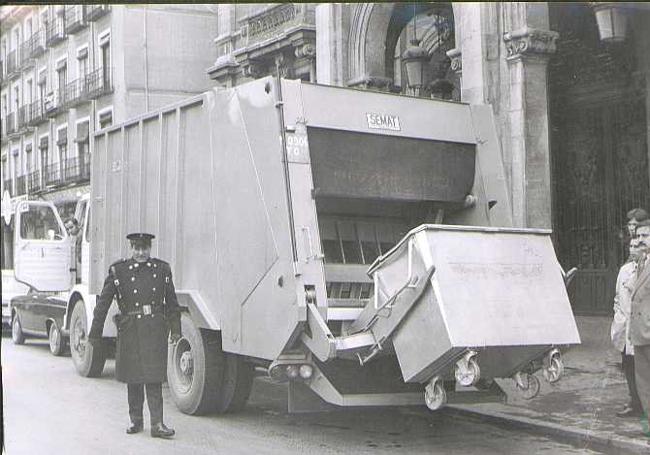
[42, 254]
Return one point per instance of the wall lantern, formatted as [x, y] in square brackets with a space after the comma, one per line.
[415, 58]
[612, 21]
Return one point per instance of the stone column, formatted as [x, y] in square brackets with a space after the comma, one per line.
[528, 51]
[332, 31]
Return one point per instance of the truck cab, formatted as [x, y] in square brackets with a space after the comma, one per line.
[58, 303]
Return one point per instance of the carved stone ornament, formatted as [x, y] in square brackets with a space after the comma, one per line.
[253, 70]
[307, 50]
[456, 60]
[529, 42]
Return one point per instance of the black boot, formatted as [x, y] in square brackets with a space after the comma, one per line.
[159, 430]
[136, 427]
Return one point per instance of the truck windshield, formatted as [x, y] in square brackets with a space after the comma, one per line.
[39, 223]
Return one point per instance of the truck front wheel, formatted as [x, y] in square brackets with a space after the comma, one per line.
[88, 360]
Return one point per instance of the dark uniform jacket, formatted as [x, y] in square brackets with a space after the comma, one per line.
[149, 309]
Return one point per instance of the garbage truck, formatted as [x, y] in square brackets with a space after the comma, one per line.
[358, 245]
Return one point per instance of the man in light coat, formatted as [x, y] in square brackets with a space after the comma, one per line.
[620, 331]
[640, 322]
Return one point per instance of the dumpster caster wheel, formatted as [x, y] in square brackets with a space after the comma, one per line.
[527, 384]
[553, 367]
[435, 395]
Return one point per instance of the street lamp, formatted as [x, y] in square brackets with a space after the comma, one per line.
[415, 58]
[611, 20]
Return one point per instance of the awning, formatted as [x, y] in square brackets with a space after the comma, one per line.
[61, 64]
[82, 132]
[82, 53]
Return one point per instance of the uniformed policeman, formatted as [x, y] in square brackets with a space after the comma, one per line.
[149, 312]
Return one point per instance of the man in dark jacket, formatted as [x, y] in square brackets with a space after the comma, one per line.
[640, 322]
[149, 311]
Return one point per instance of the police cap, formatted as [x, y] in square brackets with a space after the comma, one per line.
[140, 237]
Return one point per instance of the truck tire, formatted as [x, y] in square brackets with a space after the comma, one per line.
[56, 340]
[88, 360]
[195, 368]
[237, 384]
[17, 335]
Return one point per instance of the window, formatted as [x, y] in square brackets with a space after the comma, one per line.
[16, 98]
[28, 91]
[29, 163]
[43, 146]
[42, 85]
[83, 150]
[105, 119]
[105, 55]
[61, 74]
[39, 223]
[28, 28]
[82, 64]
[62, 144]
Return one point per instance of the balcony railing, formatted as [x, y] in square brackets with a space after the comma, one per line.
[13, 70]
[99, 82]
[21, 117]
[76, 169]
[52, 174]
[34, 181]
[35, 113]
[21, 185]
[34, 46]
[75, 18]
[94, 12]
[54, 32]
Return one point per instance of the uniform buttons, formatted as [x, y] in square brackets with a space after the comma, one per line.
[132, 278]
[148, 264]
[155, 265]
[130, 267]
[135, 265]
[154, 275]
[137, 304]
[139, 316]
[153, 289]
[135, 291]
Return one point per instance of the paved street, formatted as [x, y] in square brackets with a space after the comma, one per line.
[49, 409]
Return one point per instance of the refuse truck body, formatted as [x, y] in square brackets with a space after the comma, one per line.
[358, 245]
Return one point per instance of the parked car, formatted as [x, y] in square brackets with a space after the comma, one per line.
[10, 289]
[39, 315]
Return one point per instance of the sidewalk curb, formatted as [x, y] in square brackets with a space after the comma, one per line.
[575, 434]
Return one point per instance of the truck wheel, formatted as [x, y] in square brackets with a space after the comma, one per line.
[57, 342]
[195, 369]
[88, 360]
[17, 335]
[237, 384]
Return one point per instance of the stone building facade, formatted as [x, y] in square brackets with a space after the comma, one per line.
[70, 70]
[571, 107]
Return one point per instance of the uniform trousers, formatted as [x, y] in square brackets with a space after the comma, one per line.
[642, 375]
[628, 369]
[154, 401]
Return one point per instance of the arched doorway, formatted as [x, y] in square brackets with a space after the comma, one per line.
[598, 149]
[381, 32]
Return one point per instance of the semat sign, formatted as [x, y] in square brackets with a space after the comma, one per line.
[383, 121]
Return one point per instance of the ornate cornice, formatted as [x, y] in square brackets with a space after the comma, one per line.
[528, 42]
[456, 60]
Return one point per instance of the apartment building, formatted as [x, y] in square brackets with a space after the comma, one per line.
[70, 70]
